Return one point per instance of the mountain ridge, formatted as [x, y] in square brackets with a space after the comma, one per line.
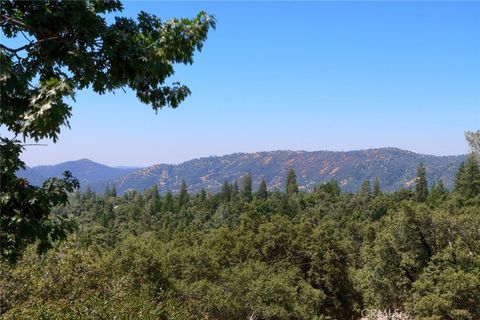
[88, 172]
[395, 168]
[243, 153]
[306, 151]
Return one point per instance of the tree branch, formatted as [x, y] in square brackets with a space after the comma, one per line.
[31, 44]
[12, 51]
[7, 48]
[5, 20]
[34, 145]
[36, 43]
[25, 36]
[10, 20]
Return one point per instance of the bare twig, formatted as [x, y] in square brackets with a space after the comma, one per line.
[25, 36]
[31, 44]
[34, 145]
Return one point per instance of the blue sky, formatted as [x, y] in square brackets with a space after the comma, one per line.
[299, 76]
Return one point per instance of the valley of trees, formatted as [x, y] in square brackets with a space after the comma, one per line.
[258, 254]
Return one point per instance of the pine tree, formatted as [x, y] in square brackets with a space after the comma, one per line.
[365, 189]
[234, 189]
[467, 180]
[168, 202]
[376, 187]
[291, 186]
[113, 191]
[437, 193]
[421, 184]
[89, 193]
[203, 195]
[247, 187]
[226, 193]
[440, 187]
[110, 192]
[156, 204]
[183, 196]
[107, 191]
[262, 192]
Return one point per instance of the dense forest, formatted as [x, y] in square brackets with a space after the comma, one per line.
[258, 254]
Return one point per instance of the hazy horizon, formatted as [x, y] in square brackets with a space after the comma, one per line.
[311, 76]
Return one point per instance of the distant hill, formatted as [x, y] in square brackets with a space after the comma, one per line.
[394, 168]
[89, 173]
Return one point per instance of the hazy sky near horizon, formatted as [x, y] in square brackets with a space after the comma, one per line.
[298, 76]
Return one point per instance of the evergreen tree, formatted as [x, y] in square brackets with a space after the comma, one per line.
[467, 180]
[156, 204]
[437, 193]
[331, 188]
[113, 191]
[106, 193]
[291, 186]
[421, 184]
[365, 190]
[235, 190]
[376, 187]
[110, 192]
[440, 187]
[473, 139]
[183, 196]
[226, 193]
[89, 193]
[247, 187]
[262, 192]
[168, 202]
[203, 195]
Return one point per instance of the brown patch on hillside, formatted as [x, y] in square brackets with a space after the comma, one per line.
[290, 162]
[409, 183]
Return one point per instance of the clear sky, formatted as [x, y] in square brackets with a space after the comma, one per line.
[298, 76]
